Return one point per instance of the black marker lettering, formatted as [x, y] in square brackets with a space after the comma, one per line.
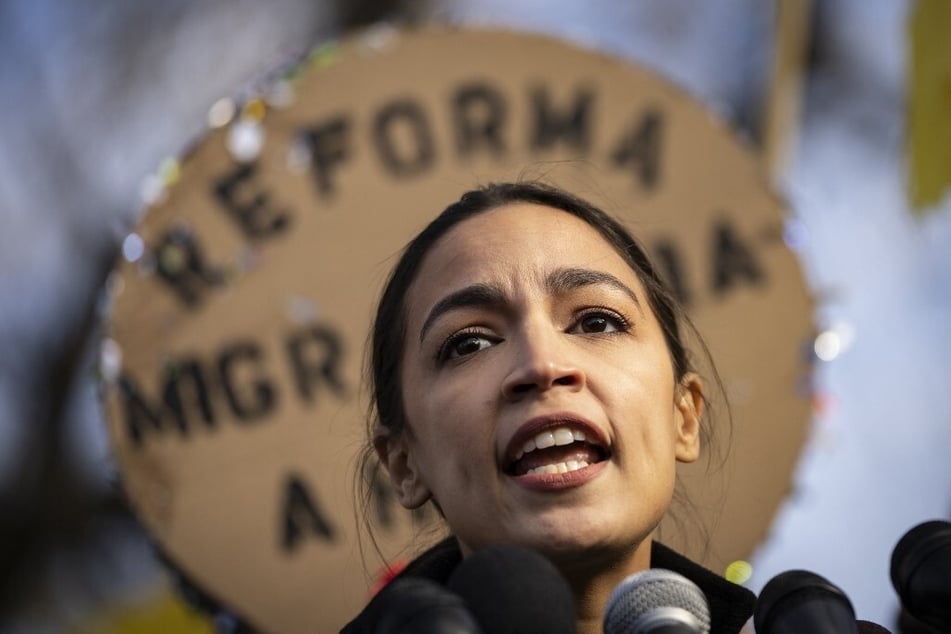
[329, 146]
[670, 262]
[249, 205]
[478, 114]
[180, 264]
[142, 417]
[403, 138]
[733, 260]
[261, 396]
[302, 516]
[570, 125]
[640, 149]
[316, 355]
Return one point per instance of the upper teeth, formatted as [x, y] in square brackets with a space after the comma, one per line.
[551, 438]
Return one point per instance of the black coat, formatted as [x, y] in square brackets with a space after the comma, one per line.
[730, 605]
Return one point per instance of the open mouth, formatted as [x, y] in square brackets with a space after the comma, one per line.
[556, 450]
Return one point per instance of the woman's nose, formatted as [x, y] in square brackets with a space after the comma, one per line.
[542, 362]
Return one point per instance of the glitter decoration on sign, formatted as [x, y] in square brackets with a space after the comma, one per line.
[172, 259]
[133, 247]
[110, 360]
[302, 310]
[324, 55]
[293, 73]
[221, 113]
[739, 572]
[378, 38]
[245, 140]
[254, 110]
[152, 190]
[170, 171]
[795, 235]
[830, 343]
[281, 94]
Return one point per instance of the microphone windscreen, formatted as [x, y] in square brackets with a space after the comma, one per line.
[921, 573]
[656, 600]
[798, 601]
[511, 589]
[415, 605]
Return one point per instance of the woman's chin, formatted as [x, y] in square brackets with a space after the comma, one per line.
[574, 540]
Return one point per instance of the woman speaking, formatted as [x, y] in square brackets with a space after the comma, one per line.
[530, 381]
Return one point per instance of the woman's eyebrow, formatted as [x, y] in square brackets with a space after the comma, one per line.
[477, 295]
[564, 280]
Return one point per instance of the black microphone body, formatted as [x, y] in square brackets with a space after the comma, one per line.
[921, 573]
[656, 601]
[510, 590]
[799, 601]
[420, 606]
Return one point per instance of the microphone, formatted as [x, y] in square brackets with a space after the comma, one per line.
[657, 601]
[415, 605]
[799, 601]
[511, 590]
[921, 573]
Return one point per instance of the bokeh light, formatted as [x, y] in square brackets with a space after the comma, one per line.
[221, 113]
[739, 572]
[133, 247]
[245, 140]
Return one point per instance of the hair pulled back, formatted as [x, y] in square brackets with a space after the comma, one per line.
[389, 327]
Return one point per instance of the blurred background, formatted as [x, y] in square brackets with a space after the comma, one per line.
[95, 93]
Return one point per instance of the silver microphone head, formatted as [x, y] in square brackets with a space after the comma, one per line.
[650, 600]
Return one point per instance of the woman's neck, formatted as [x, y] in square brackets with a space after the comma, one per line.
[592, 585]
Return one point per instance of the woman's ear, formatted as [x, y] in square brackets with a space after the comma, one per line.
[689, 404]
[395, 454]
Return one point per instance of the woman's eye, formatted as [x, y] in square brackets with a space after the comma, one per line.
[463, 344]
[601, 322]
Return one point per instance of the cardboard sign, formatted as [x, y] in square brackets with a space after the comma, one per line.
[234, 353]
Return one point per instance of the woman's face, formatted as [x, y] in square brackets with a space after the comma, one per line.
[540, 399]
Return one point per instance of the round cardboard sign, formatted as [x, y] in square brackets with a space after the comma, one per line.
[234, 352]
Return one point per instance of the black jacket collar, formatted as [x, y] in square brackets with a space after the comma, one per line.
[730, 605]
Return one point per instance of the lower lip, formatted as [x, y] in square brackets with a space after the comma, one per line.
[551, 482]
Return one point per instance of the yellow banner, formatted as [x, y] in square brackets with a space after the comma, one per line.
[158, 615]
[929, 103]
